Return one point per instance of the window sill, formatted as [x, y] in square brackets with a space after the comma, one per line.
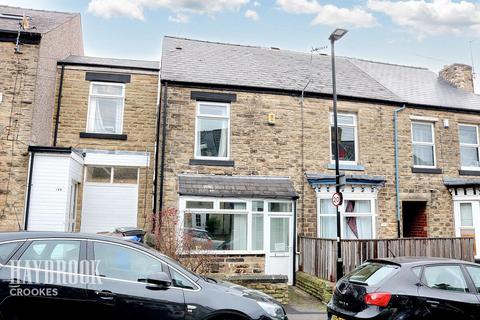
[469, 172]
[427, 170]
[347, 167]
[110, 136]
[208, 162]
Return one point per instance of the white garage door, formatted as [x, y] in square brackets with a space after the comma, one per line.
[109, 204]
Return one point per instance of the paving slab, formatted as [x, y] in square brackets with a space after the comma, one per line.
[303, 306]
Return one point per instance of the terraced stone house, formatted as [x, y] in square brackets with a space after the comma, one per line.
[248, 150]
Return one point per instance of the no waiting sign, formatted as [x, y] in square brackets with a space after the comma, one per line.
[337, 199]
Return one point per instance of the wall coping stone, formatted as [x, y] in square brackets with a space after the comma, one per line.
[260, 278]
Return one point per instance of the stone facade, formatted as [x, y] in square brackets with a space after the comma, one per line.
[290, 149]
[27, 84]
[139, 124]
[314, 286]
[237, 264]
[274, 286]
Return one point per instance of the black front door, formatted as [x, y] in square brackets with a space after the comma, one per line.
[43, 281]
[117, 292]
[446, 293]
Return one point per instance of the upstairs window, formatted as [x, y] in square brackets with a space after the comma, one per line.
[469, 146]
[423, 141]
[212, 131]
[105, 110]
[347, 138]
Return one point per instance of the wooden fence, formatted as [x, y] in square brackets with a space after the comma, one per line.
[318, 256]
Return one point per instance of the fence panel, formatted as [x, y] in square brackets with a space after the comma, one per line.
[318, 256]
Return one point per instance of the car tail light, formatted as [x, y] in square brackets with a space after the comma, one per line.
[380, 299]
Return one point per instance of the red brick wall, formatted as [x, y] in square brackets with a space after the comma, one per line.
[414, 219]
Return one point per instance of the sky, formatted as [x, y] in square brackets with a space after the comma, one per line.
[424, 33]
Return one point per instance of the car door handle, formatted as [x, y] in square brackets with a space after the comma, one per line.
[433, 302]
[105, 294]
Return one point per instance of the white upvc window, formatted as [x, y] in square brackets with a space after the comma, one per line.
[469, 147]
[423, 142]
[227, 225]
[212, 131]
[348, 138]
[105, 108]
[357, 218]
[111, 175]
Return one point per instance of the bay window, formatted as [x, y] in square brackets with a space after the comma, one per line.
[469, 146]
[347, 138]
[423, 142]
[105, 108]
[212, 132]
[357, 218]
[234, 225]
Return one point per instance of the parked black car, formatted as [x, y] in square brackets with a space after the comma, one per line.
[408, 288]
[79, 276]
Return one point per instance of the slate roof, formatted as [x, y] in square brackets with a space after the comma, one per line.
[236, 186]
[112, 62]
[42, 20]
[203, 62]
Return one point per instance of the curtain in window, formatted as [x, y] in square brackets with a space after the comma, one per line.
[279, 235]
[358, 228]
[422, 132]
[239, 234]
[107, 115]
[328, 225]
[257, 232]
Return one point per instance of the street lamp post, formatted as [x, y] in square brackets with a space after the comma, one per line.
[337, 35]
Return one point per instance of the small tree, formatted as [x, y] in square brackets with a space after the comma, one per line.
[170, 239]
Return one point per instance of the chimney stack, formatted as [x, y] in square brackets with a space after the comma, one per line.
[459, 75]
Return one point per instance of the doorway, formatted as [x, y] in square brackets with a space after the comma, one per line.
[414, 215]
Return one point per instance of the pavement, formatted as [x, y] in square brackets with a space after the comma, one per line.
[303, 306]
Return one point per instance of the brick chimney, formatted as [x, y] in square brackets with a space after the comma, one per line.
[458, 75]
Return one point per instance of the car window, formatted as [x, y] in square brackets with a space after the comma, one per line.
[6, 249]
[179, 280]
[371, 273]
[119, 262]
[417, 271]
[474, 273]
[57, 255]
[447, 277]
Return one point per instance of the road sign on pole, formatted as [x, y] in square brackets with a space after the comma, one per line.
[342, 180]
[337, 199]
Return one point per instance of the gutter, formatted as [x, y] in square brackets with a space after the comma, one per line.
[397, 179]
[164, 143]
[59, 104]
[112, 66]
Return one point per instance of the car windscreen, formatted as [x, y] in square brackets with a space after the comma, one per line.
[372, 273]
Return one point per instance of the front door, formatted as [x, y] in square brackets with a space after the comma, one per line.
[72, 207]
[467, 221]
[279, 255]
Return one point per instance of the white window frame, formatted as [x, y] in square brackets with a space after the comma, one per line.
[355, 129]
[355, 197]
[477, 145]
[198, 116]
[112, 169]
[432, 127]
[249, 212]
[91, 110]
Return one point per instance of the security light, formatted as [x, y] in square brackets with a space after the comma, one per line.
[337, 34]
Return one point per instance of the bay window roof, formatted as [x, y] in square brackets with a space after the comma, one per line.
[236, 186]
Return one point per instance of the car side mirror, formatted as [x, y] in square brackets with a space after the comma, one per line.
[160, 279]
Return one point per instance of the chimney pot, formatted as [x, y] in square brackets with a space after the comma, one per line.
[459, 75]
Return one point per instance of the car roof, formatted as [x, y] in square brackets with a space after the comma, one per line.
[417, 261]
[22, 235]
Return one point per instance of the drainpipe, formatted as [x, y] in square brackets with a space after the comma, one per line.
[29, 191]
[397, 179]
[157, 148]
[294, 275]
[164, 143]
[59, 103]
